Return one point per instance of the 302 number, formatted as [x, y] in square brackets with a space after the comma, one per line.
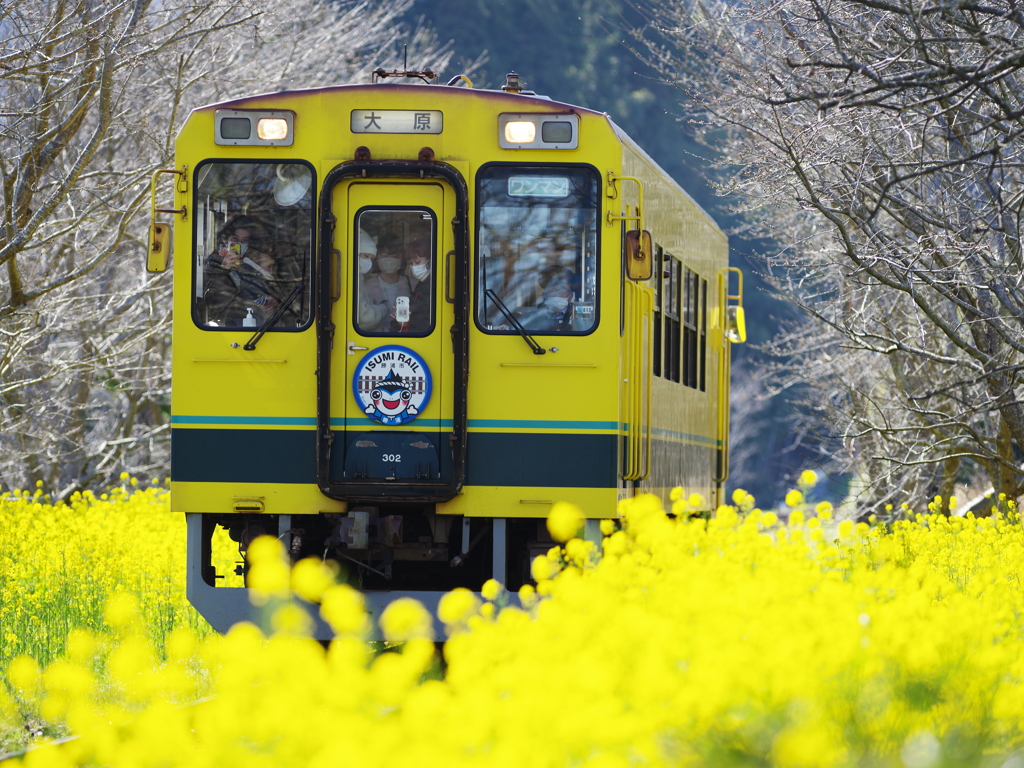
[393, 458]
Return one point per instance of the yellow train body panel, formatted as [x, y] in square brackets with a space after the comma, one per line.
[408, 309]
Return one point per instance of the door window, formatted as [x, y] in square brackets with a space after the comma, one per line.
[253, 230]
[394, 272]
[537, 249]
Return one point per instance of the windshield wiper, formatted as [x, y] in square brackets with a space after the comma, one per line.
[250, 345]
[537, 348]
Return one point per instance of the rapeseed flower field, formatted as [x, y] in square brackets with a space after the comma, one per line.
[741, 639]
[61, 563]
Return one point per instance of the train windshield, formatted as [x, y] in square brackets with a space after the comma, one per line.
[537, 249]
[253, 232]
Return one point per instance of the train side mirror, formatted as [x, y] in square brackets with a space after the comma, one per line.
[639, 255]
[735, 324]
[159, 247]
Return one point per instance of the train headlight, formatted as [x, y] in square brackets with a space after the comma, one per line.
[520, 132]
[272, 129]
[254, 127]
[551, 130]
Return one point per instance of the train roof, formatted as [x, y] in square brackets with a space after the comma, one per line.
[511, 101]
[629, 142]
[539, 103]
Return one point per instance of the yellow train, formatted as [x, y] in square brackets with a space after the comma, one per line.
[410, 318]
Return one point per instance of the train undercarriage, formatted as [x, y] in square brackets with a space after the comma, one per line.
[385, 551]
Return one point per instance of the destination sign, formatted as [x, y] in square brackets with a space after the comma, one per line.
[396, 121]
[538, 186]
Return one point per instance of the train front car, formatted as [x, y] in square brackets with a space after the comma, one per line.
[408, 319]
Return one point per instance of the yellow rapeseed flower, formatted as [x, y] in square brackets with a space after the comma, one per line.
[406, 619]
[491, 589]
[688, 641]
[542, 568]
[311, 577]
[81, 645]
[121, 609]
[269, 574]
[344, 609]
[457, 606]
[527, 595]
[24, 675]
[291, 619]
[564, 521]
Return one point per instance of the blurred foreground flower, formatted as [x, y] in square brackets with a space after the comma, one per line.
[564, 521]
[722, 639]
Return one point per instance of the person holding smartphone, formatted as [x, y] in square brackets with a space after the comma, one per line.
[240, 278]
[387, 284]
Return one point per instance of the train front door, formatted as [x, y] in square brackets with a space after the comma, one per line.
[392, 388]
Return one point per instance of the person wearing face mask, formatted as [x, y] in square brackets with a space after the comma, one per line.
[240, 285]
[386, 285]
[419, 274]
[554, 309]
[419, 261]
[370, 314]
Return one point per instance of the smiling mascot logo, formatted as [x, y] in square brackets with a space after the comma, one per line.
[392, 385]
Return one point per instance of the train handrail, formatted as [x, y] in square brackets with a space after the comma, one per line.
[648, 310]
[158, 241]
[630, 473]
[639, 362]
[724, 374]
[631, 357]
[612, 192]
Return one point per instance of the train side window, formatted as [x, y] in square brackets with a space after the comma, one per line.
[537, 249]
[394, 271]
[690, 283]
[658, 269]
[622, 281]
[671, 311]
[253, 245]
[703, 353]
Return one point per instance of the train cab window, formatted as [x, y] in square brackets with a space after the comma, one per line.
[672, 280]
[537, 246]
[394, 280]
[253, 236]
[690, 289]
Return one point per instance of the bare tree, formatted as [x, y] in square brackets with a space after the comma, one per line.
[764, 440]
[91, 96]
[879, 145]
